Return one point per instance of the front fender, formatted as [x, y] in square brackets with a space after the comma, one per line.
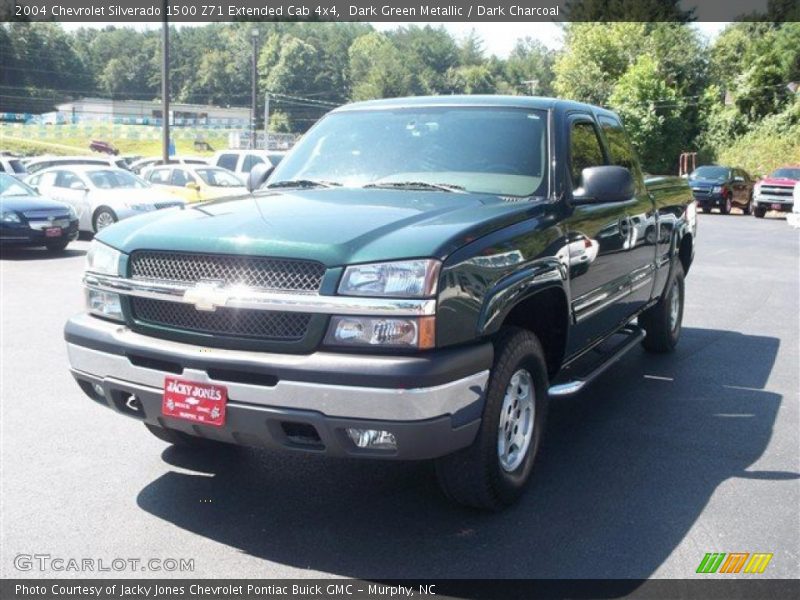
[519, 286]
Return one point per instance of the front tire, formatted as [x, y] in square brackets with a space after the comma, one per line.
[492, 473]
[103, 217]
[662, 322]
[759, 212]
[725, 209]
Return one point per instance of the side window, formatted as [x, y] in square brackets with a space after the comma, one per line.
[159, 176]
[227, 161]
[585, 150]
[2, 168]
[250, 161]
[180, 178]
[65, 179]
[619, 145]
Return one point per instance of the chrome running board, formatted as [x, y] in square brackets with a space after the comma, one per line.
[574, 383]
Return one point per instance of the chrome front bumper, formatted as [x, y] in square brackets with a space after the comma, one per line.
[391, 388]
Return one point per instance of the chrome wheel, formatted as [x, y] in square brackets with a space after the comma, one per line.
[103, 220]
[515, 429]
[674, 306]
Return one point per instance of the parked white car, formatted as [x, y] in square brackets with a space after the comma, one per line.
[101, 195]
[40, 163]
[242, 161]
[143, 164]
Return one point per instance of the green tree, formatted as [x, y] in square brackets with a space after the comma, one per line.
[530, 60]
[377, 68]
[651, 110]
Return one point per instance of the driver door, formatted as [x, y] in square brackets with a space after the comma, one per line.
[73, 190]
[599, 236]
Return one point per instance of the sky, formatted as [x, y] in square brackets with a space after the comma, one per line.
[499, 38]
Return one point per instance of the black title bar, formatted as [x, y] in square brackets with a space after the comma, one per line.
[398, 10]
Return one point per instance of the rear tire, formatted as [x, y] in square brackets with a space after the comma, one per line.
[184, 440]
[662, 322]
[748, 210]
[759, 212]
[706, 210]
[490, 474]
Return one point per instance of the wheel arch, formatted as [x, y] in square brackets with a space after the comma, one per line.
[538, 303]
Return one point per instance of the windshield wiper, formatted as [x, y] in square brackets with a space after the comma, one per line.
[417, 185]
[303, 183]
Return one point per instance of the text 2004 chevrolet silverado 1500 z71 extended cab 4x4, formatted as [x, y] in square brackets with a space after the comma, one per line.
[416, 279]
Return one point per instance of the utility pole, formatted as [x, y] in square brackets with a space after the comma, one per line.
[532, 83]
[266, 121]
[254, 37]
[165, 87]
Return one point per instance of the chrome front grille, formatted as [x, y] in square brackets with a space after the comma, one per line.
[777, 190]
[44, 214]
[283, 275]
[239, 323]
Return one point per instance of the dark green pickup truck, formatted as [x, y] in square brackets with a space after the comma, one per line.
[415, 280]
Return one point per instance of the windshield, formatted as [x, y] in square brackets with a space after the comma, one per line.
[107, 179]
[11, 186]
[710, 173]
[787, 173]
[219, 178]
[496, 150]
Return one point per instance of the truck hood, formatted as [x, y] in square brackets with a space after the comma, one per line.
[333, 226]
[781, 181]
[24, 203]
[704, 183]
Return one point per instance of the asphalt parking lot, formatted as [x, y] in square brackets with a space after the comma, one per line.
[662, 460]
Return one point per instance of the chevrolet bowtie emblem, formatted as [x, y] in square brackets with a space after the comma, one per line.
[206, 295]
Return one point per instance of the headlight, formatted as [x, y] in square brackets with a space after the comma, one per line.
[10, 217]
[757, 189]
[141, 206]
[102, 259]
[104, 304]
[401, 279]
[72, 214]
[717, 189]
[388, 332]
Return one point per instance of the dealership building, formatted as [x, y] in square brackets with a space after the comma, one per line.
[138, 112]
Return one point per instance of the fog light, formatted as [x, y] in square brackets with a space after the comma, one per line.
[374, 439]
[104, 304]
[98, 389]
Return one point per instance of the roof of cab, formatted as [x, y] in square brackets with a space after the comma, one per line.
[531, 102]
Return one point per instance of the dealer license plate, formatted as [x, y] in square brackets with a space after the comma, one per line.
[194, 401]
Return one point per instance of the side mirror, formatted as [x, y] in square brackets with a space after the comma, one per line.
[258, 175]
[605, 184]
[192, 186]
